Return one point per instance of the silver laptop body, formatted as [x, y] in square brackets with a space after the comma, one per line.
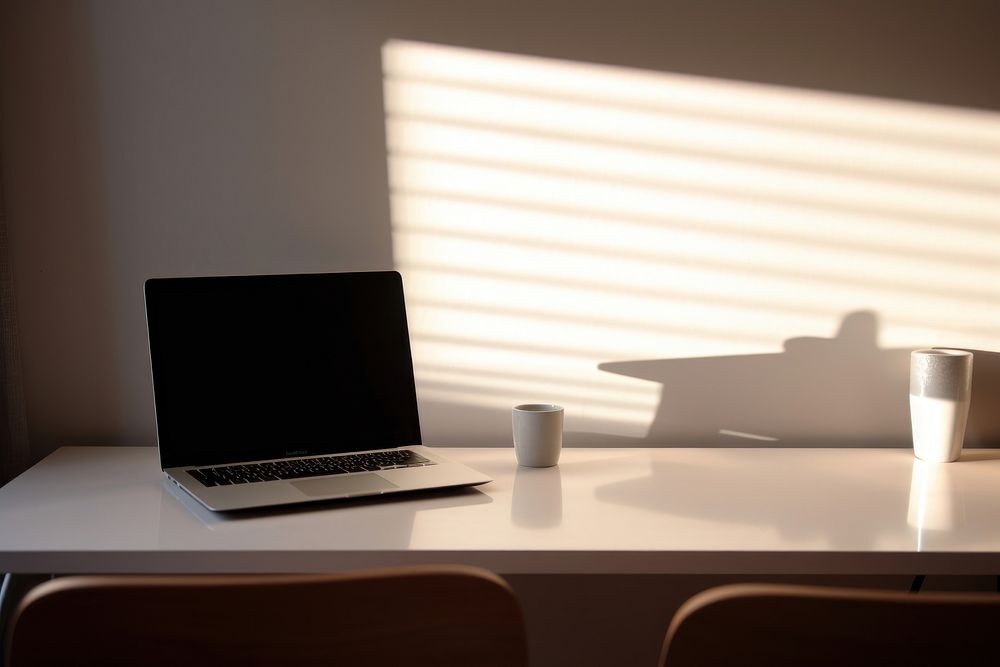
[280, 389]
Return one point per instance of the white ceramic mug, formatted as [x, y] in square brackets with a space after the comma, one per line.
[538, 431]
[940, 395]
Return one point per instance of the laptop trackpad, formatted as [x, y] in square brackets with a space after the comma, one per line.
[345, 486]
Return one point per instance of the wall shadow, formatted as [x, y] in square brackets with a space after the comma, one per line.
[983, 429]
[843, 391]
[907, 64]
[59, 242]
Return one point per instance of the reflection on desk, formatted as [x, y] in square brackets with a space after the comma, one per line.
[536, 500]
[663, 511]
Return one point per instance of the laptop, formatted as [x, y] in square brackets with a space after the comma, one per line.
[279, 389]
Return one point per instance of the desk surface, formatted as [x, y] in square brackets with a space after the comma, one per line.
[684, 511]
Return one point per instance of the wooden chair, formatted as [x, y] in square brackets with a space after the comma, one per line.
[435, 615]
[778, 625]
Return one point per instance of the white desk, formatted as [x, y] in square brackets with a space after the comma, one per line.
[656, 511]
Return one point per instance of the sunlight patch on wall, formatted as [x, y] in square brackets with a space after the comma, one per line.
[549, 216]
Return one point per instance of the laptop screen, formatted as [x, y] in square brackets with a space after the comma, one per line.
[264, 367]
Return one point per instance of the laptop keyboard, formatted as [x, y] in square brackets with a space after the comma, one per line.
[313, 467]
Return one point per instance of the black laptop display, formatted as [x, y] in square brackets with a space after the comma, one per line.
[252, 368]
[263, 367]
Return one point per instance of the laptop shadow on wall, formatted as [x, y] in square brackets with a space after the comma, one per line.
[818, 392]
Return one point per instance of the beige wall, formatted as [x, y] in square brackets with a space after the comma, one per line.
[158, 138]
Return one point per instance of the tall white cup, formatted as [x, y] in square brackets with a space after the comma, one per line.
[538, 431]
[940, 394]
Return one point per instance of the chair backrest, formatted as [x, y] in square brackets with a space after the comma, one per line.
[434, 615]
[778, 625]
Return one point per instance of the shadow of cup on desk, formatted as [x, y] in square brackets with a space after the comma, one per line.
[537, 497]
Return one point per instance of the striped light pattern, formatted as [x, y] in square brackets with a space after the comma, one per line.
[549, 216]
